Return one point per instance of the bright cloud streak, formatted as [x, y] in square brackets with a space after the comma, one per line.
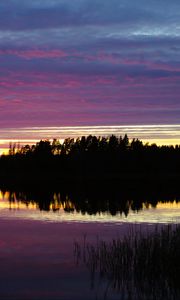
[159, 134]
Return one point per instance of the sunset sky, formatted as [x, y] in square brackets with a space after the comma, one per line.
[89, 63]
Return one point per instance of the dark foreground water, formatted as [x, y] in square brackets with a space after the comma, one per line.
[37, 247]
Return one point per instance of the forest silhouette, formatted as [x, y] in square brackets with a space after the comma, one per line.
[96, 174]
[91, 158]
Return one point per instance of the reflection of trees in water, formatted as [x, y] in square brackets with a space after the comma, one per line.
[137, 266]
[43, 200]
[92, 202]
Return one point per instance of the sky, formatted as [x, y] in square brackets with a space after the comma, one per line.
[89, 63]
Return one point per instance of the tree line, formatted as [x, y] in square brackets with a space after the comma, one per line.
[91, 156]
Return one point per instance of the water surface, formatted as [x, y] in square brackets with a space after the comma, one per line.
[37, 236]
[19, 206]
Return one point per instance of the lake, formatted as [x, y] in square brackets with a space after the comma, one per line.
[37, 242]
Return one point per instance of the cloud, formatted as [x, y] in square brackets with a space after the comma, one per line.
[34, 53]
[32, 14]
[89, 61]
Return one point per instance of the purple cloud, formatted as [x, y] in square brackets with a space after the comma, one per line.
[89, 62]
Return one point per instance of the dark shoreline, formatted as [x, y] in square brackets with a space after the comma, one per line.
[22, 177]
[92, 162]
[92, 195]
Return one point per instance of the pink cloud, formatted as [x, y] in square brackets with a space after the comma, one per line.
[154, 65]
[35, 53]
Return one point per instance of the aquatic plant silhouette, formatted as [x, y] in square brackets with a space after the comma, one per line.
[140, 265]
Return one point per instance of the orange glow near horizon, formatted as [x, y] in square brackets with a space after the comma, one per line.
[158, 134]
[158, 142]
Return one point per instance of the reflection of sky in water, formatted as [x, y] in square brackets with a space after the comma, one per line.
[168, 212]
[37, 260]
